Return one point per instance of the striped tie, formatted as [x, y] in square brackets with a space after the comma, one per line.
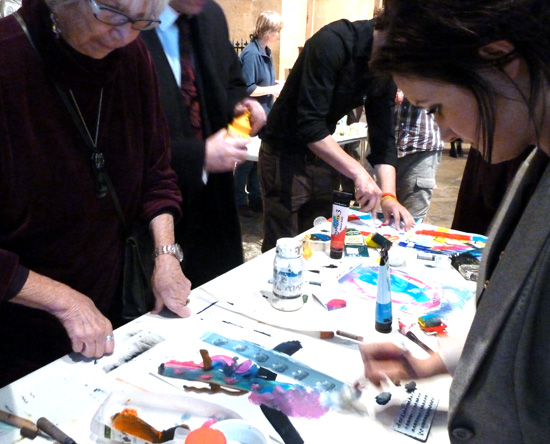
[188, 84]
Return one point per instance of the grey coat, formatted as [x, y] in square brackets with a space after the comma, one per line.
[501, 387]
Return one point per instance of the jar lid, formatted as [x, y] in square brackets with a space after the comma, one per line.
[205, 435]
[289, 247]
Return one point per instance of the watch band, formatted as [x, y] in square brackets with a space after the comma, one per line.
[173, 249]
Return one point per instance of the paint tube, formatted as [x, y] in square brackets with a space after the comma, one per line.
[340, 210]
[383, 316]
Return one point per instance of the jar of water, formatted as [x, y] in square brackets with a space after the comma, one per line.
[288, 275]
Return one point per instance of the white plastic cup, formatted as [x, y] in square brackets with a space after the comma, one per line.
[241, 431]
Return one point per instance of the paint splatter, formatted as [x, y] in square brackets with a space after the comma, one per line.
[406, 290]
[293, 400]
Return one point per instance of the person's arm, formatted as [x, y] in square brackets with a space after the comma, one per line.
[86, 327]
[387, 360]
[367, 193]
[273, 90]
[379, 109]
[170, 287]
[321, 61]
[389, 204]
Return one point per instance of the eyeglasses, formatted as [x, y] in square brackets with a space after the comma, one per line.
[112, 17]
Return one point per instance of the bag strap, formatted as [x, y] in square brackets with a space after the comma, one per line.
[102, 180]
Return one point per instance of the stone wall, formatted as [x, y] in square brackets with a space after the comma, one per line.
[302, 18]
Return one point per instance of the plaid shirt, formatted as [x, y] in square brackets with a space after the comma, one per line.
[415, 130]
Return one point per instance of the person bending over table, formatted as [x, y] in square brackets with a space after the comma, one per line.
[300, 162]
[61, 244]
[487, 81]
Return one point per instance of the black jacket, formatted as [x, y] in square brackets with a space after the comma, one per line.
[209, 230]
[330, 78]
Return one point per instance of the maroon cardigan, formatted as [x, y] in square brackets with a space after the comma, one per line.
[51, 221]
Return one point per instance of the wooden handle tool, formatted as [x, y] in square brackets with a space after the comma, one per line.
[30, 428]
[52, 430]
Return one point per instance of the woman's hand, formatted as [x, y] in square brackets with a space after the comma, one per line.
[387, 360]
[90, 332]
[170, 286]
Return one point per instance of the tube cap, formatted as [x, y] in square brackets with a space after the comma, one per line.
[205, 435]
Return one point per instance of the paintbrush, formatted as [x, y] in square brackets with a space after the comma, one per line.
[405, 331]
[52, 430]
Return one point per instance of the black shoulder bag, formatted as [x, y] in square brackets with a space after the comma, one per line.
[137, 294]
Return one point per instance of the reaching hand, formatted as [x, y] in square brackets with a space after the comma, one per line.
[367, 193]
[391, 207]
[387, 360]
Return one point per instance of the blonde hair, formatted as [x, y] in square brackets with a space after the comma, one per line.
[153, 7]
[268, 21]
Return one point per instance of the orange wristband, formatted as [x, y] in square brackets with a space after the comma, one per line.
[389, 195]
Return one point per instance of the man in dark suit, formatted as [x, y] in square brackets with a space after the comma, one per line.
[200, 95]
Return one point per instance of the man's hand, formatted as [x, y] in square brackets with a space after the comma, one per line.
[401, 216]
[367, 193]
[258, 117]
[223, 152]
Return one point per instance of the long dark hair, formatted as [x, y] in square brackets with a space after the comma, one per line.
[441, 40]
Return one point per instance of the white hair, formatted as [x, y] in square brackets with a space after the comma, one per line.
[153, 8]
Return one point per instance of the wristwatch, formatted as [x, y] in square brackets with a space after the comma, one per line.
[173, 249]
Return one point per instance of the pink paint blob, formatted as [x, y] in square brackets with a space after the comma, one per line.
[334, 304]
[297, 403]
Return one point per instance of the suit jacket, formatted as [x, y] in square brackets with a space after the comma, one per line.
[501, 388]
[209, 230]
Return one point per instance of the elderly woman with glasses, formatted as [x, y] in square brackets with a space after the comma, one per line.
[61, 237]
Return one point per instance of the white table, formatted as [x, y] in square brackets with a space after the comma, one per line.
[69, 391]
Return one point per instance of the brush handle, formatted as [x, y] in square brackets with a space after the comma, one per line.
[415, 339]
[51, 429]
[19, 422]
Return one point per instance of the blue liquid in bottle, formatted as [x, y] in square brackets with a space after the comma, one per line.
[383, 312]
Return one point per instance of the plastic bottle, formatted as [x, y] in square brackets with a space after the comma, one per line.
[383, 319]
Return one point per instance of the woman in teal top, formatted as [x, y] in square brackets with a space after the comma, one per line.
[259, 74]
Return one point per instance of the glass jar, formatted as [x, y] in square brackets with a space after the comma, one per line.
[288, 276]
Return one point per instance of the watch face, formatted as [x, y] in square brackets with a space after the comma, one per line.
[178, 252]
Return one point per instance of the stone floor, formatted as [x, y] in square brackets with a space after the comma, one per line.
[442, 206]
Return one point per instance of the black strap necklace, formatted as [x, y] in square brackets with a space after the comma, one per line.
[94, 140]
[98, 161]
